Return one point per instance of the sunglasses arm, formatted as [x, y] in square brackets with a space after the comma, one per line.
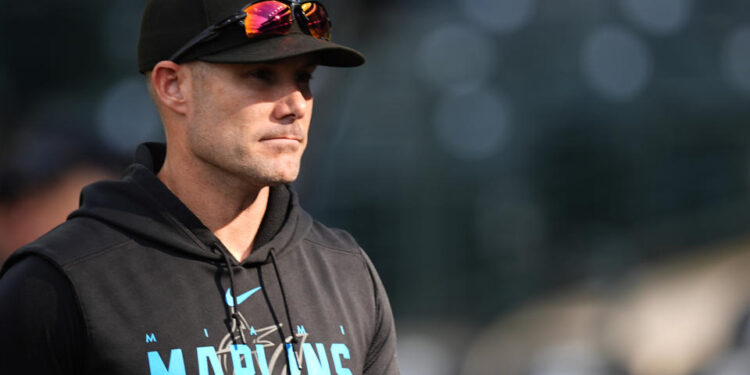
[207, 34]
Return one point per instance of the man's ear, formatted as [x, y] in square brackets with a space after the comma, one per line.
[170, 86]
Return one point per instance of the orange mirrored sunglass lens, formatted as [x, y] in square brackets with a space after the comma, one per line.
[317, 20]
[268, 17]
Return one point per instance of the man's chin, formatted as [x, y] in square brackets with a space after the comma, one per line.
[280, 179]
[279, 182]
[270, 174]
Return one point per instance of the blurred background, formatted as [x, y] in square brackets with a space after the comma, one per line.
[546, 187]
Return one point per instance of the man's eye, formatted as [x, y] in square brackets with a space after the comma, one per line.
[304, 77]
[262, 74]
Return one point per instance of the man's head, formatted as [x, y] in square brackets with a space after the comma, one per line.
[246, 120]
[230, 102]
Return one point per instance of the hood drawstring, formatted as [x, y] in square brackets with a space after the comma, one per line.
[289, 346]
[233, 309]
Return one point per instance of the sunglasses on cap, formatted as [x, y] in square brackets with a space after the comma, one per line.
[266, 18]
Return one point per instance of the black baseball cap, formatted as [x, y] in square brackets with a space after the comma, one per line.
[167, 25]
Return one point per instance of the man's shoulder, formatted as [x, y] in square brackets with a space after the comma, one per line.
[332, 238]
[75, 239]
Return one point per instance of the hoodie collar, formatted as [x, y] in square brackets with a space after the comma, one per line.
[141, 204]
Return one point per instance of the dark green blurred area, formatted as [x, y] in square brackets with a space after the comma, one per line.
[576, 185]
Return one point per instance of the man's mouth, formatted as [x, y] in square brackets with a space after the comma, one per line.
[282, 139]
[283, 142]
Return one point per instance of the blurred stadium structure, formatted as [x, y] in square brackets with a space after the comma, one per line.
[547, 187]
[41, 176]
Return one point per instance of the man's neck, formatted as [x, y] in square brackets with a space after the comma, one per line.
[232, 210]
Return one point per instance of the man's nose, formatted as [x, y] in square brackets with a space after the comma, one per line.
[292, 105]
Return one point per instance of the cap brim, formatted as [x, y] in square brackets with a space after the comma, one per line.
[295, 44]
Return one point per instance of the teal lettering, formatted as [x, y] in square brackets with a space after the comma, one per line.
[150, 337]
[317, 364]
[301, 330]
[291, 360]
[206, 355]
[240, 353]
[176, 364]
[252, 331]
[339, 351]
[260, 355]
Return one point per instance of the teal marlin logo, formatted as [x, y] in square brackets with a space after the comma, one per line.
[241, 298]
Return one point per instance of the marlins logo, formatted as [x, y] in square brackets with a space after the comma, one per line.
[259, 356]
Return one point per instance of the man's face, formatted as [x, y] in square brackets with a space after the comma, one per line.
[252, 120]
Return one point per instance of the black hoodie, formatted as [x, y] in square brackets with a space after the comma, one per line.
[134, 283]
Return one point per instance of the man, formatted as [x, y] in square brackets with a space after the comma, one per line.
[200, 260]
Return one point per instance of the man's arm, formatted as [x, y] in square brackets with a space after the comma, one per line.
[41, 328]
[381, 355]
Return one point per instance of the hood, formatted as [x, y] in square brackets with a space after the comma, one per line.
[141, 205]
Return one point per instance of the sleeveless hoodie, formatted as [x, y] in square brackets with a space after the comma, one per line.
[159, 294]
